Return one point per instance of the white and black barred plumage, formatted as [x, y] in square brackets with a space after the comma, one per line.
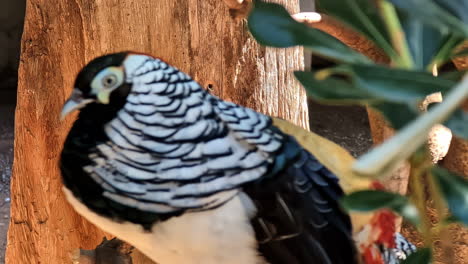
[156, 160]
[173, 146]
[403, 248]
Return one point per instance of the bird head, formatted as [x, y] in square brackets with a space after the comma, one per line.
[102, 81]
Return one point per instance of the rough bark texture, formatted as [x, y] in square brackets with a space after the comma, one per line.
[457, 162]
[199, 37]
[451, 246]
[398, 180]
[457, 156]
[351, 38]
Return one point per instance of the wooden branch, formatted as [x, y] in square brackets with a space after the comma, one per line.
[345, 34]
[235, 4]
[239, 9]
[457, 156]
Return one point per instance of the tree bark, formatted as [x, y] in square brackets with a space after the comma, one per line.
[199, 37]
[457, 161]
[457, 156]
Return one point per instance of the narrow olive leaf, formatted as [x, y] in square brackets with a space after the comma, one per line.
[397, 114]
[428, 45]
[461, 53]
[455, 76]
[458, 8]
[396, 85]
[385, 158]
[422, 256]
[423, 41]
[449, 220]
[271, 25]
[445, 52]
[362, 16]
[433, 14]
[371, 200]
[455, 191]
[458, 123]
[332, 90]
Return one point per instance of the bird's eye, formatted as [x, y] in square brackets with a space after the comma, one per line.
[109, 80]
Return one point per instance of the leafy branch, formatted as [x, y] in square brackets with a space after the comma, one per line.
[418, 40]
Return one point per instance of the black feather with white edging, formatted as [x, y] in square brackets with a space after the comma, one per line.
[299, 219]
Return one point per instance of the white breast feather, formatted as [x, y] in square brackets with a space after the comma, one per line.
[220, 236]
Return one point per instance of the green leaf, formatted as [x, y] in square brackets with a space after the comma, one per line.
[394, 92]
[422, 256]
[362, 16]
[371, 200]
[455, 76]
[449, 220]
[458, 123]
[445, 52]
[423, 41]
[271, 25]
[397, 114]
[462, 53]
[339, 92]
[429, 45]
[455, 191]
[458, 8]
[395, 85]
[332, 90]
[434, 15]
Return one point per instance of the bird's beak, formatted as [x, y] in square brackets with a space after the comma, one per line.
[75, 102]
[103, 96]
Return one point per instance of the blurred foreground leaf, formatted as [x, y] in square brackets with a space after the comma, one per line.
[437, 16]
[332, 90]
[362, 16]
[458, 8]
[422, 256]
[395, 85]
[461, 53]
[398, 114]
[371, 200]
[271, 25]
[396, 93]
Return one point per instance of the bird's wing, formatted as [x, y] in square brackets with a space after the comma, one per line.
[299, 219]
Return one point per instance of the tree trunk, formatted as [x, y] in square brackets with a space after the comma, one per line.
[457, 162]
[199, 37]
[457, 156]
